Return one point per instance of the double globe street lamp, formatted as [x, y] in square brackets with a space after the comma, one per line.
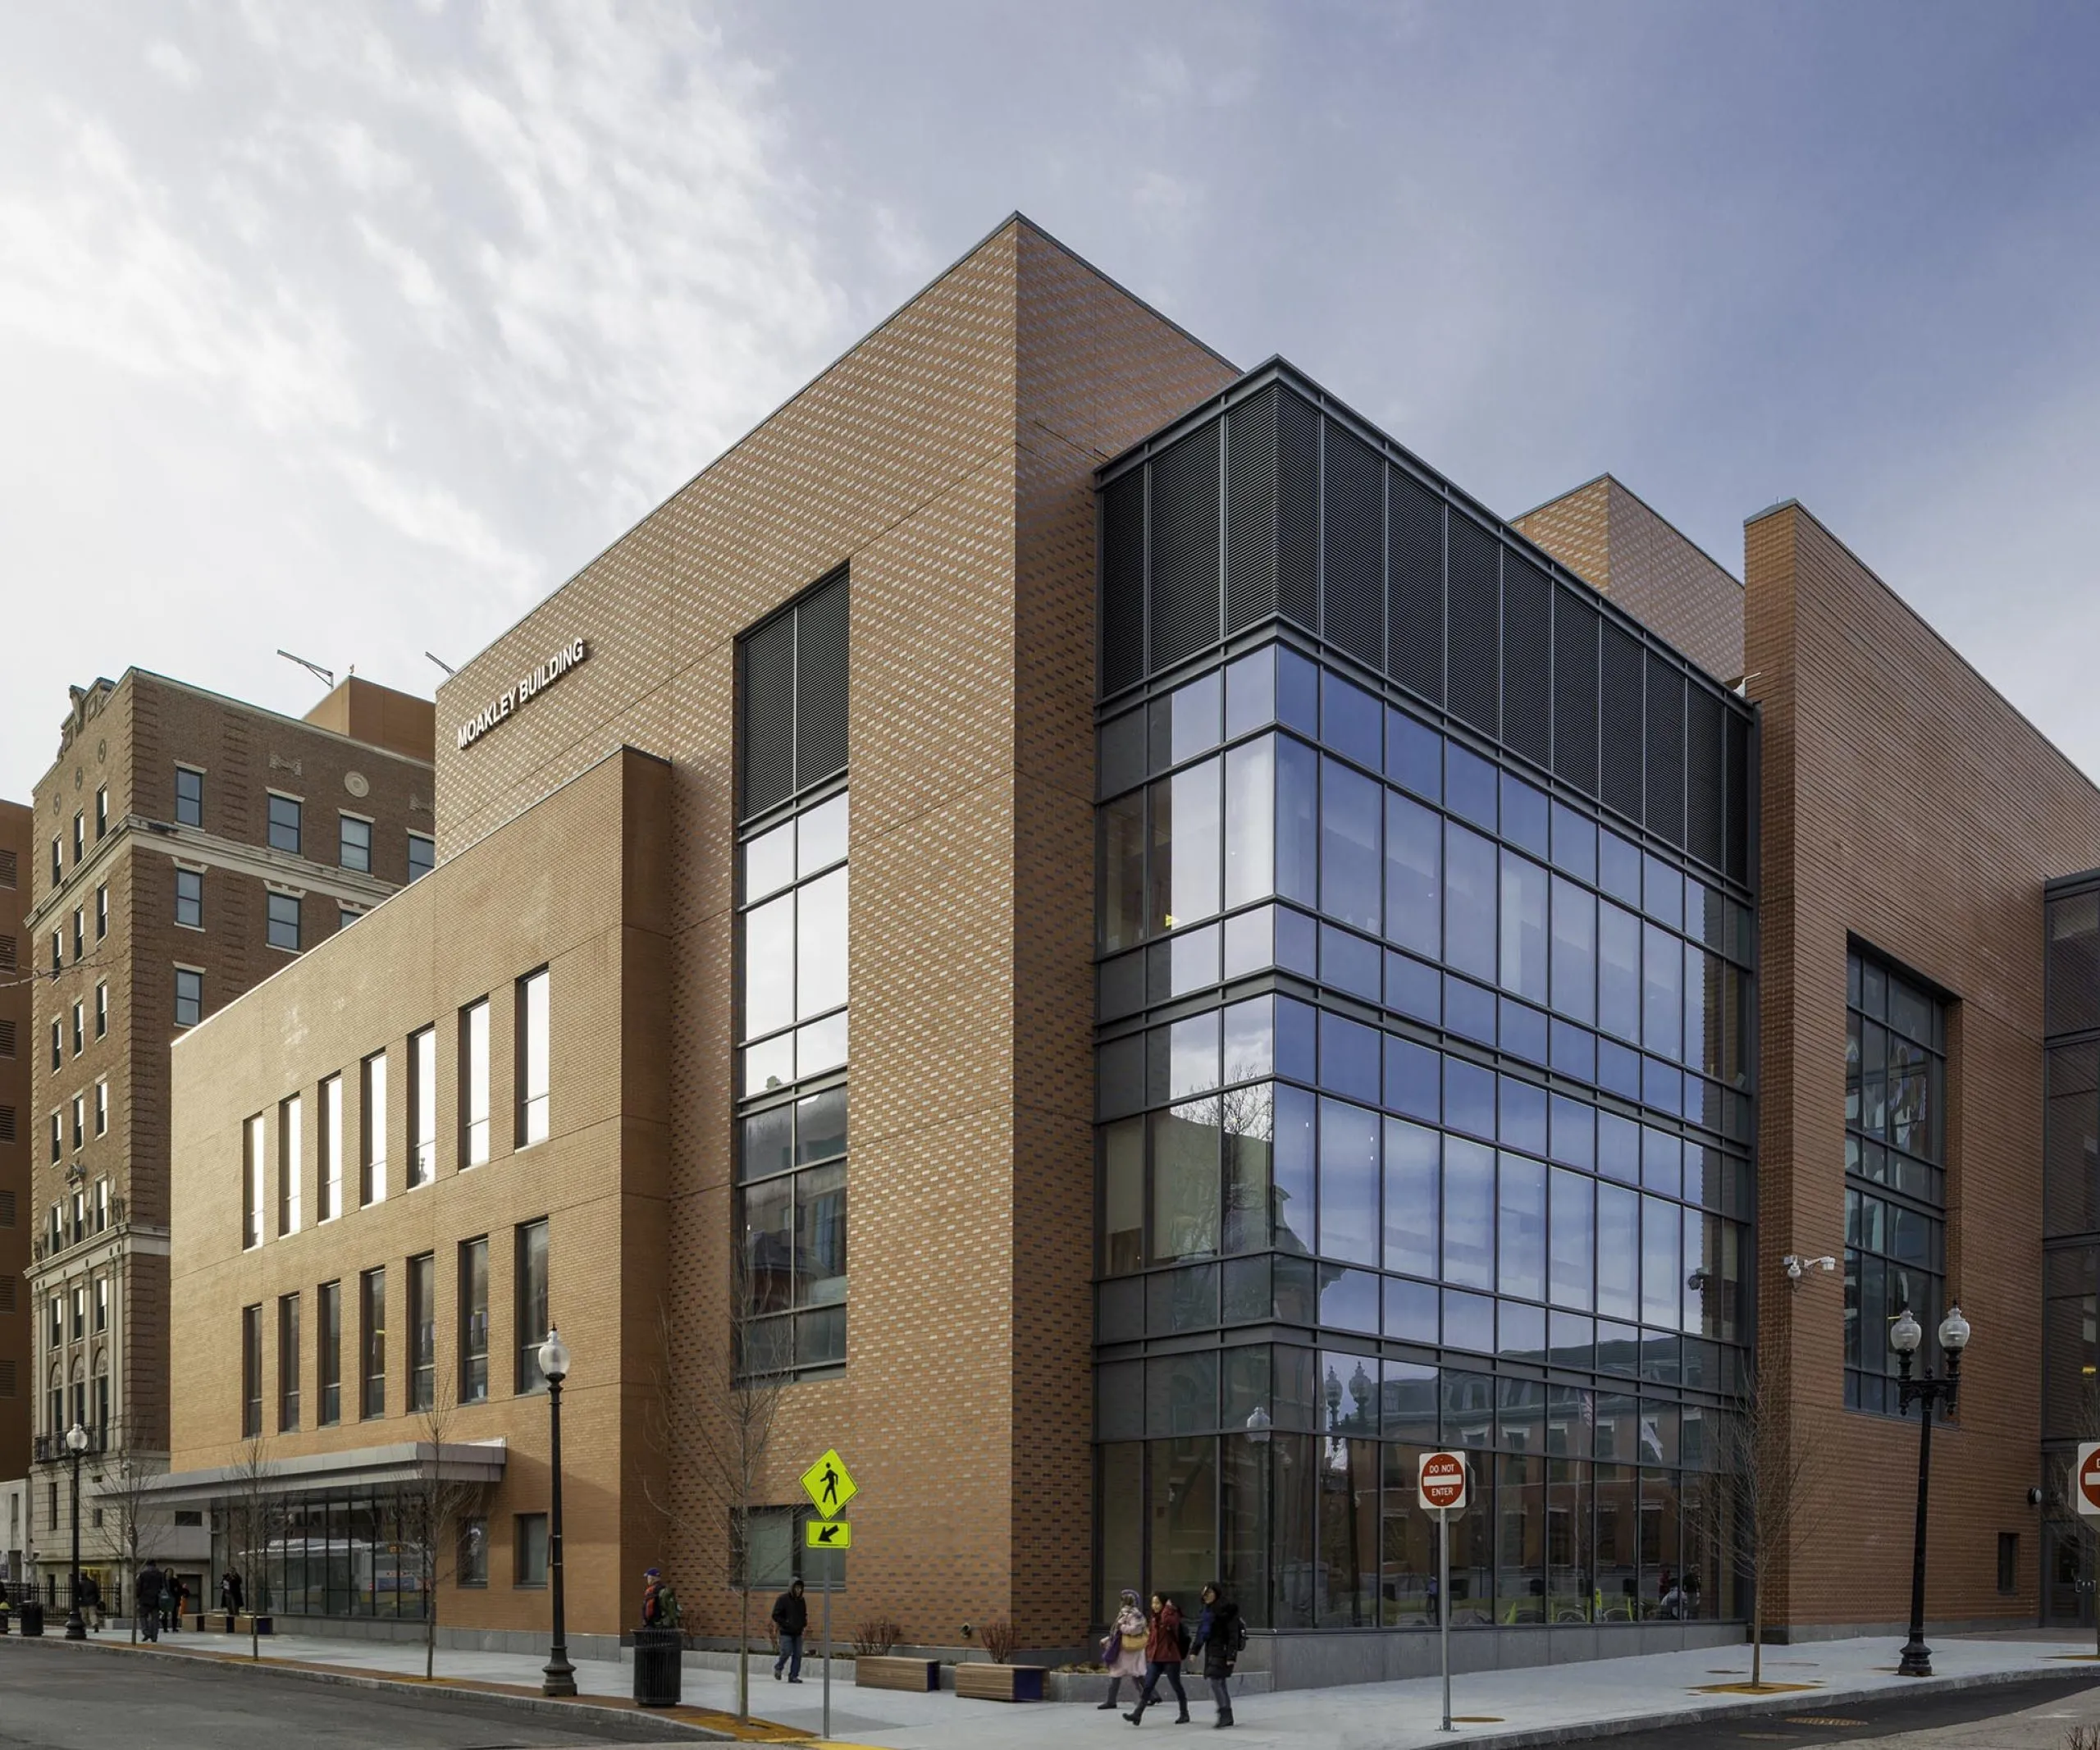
[559, 1675]
[1904, 1337]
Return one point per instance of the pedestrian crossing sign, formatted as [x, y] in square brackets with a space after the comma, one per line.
[828, 1534]
[829, 1485]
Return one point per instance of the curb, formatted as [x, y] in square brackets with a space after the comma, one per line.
[1818, 1700]
[618, 1720]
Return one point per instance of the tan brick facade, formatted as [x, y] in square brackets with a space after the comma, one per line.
[18, 1135]
[1906, 804]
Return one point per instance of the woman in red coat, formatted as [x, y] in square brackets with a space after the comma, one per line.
[1164, 1651]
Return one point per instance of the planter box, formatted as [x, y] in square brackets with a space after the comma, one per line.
[918, 1676]
[977, 1680]
[253, 1624]
[209, 1622]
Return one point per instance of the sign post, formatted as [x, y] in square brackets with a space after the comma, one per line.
[830, 1486]
[2085, 1480]
[1441, 1481]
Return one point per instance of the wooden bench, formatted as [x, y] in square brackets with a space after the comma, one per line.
[976, 1680]
[918, 1676]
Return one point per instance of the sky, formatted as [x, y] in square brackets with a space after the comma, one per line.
[354, 330]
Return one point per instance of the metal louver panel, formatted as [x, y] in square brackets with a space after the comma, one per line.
[766, 732]
[1414, 585]
[1665, 749]
[1703, 756]
[1527, 659]
[1742, 804]
[1298, 511]
[1474, 638]
[1185, 570]
[1123, 583]
[820, 684]
[1575, 690]
[1250, 511]
[1620, 764]
[1353, 540]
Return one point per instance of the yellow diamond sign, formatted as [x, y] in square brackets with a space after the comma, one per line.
[829, 1485]
[828, 1534]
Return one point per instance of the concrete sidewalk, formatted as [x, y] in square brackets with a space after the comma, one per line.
[1547, 1704]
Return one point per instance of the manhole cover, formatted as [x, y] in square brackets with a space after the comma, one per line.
[1823, 1719]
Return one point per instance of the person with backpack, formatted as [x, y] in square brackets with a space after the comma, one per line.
[1166, 1645]
[1220, 1637]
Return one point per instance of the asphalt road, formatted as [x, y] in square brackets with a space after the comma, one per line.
[1808, 1724]
[56, 1698]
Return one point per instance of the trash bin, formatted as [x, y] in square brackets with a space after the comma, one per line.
[657, 1670]
[32, 1614]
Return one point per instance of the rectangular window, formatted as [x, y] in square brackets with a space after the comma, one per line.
[80, 932]
[102, 809]
[346, 915]
[101, 1109]
[371, 1306]
[288, 1363]
[530, 1282]
[251, 1182]
[251, 1371]
[284, 921]
[284, 823]
[79, 1120]
[422, 854]
[423, 1331]
[532, 1070]
[79, 1312]
[372, 1130]
[330, 1337]
[291, 1150]
[189, 899]
[101, 910]
[79, 836]
[355, 843]
[102, 1304]
[79, 1027]
[474, 1321]
[422, 1107]
[189, 996]
[474, 1084]
[101, 1206]
[57, 863]
[57, 1139]
[472, 1561]
[57, 950]
[58, 1047]
[189, 797]
[328, 1168]
[531, 1552]
[102, 1010]
[2008, 1563]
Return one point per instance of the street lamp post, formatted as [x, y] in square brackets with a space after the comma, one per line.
[559, 1677]
[1930, 1394]
[76, 1444]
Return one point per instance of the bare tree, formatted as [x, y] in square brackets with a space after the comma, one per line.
[134, 1522]
[1768, 1500]
[2061, 1500]
[254, 1515]
[434, 1508]
[712, 1414]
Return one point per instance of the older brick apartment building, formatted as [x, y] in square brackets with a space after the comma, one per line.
[184, 846]
[1330, 971]
[17, 1030]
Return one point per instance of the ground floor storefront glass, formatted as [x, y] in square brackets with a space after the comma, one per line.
[333, 1553]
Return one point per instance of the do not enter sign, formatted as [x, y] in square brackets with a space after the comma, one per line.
[1440, 1482]
[2087, 1477]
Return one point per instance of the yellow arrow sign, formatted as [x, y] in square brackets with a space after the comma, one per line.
[828, 1534]
[829, 1485]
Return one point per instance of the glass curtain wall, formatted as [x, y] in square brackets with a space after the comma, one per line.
[1475, 1136]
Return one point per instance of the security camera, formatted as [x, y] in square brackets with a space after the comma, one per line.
[1797, 1267]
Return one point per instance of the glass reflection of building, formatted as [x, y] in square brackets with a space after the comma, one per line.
[1424, 1072]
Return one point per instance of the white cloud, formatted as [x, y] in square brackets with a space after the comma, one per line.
[172, 65]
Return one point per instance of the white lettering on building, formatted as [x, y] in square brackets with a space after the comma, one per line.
[528, 687]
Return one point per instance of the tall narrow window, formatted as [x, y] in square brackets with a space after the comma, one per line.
[474, 1084]
[80, 1121]
[530, 1282]
[79, 1027]
[251, 1182]
[372, 1130]
[102, 809]
[102, 1304]
[291, 1149]
[355, 844]
[371, 1297]
[79, 932]
[531, 1076]
[58, 1047]
[101, 1109]
[189, 797]
[189, 899]
[283, 929]
[330, 1339]
[102, 1009]
[288, 1363]
[422, 854]
[251, 1371]
[422, 1107]
[328, 1169]
[101, 910]
[423, 1331]
[284, 823]
[79, 835]
[474, 1321]
[189, 996]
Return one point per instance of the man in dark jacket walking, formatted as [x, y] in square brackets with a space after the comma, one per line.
[791, 1620]
[1220, 1638]
[146, 1596]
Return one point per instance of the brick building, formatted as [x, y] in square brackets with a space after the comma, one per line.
[1330, 972]
[185, 847]
[18, 1032]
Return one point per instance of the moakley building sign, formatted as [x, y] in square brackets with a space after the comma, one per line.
[528, 687]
